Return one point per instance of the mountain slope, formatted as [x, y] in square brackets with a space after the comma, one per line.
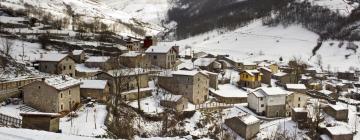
[87, 11]
[258, 42]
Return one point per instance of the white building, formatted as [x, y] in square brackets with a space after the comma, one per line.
[268, 101]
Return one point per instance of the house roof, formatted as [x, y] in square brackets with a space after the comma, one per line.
[337, 107]
[295, 86]
[299, 109]
[52, 57]
[270, 91]
[159, 49]
[280, 74]
[131, 54]
[93, 84]
[40, 114]
[171, 97]
[62, 82]
[339, 130]
[252, 72]
[98, 59]
[249, 119]
[204, 61]
[77, 52]
[265, 68]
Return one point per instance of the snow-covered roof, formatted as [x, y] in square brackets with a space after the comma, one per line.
[326, 92]
[93, 84]
[131, 54]
[295, 86]
[77, 52]
[337, 107]
[98, 59]
[52, 57]
[252, 72]
[204, 61]
[40, 114]
[171, 97]
[249, 119]
[270, 91]
[299, 109]
[265, 68]
[185, 72]
[339, 130]
[229, 90]
[159, 49]
[279, 74]
[62, 82]
[83, 68]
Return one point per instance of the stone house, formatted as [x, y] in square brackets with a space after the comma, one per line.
[85, 72]
[295, 100]
[246, 126]
[193, 85]
[301, 88]
[247, 66]
[285, 78]
[55, 94]
[102, 62]
[268, 101]
[229, 94]
[78, 56]
[13, 88]
[274, 68]
[96, 89]
[41, 121]
[213, 79]
[299, 115]
[61, 64]
[133, 45]
[338, 112]
[176, 102]
[250, 78]
[162, 56]
[340, 132]
[266, 77]
[208, 64]
[124, 79]
[134, 59]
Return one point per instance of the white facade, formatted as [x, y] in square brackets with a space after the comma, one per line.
[259, 99]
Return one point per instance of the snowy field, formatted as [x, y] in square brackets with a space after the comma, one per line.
[90, 122]
[257, 42]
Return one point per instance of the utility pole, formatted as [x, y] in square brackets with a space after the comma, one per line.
[23, 51]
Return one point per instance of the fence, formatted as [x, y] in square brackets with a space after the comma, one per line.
[10, 121]
[212, 106]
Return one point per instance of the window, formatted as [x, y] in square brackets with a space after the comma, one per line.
[39, 87]
[298, 105]
[155, 57]
[261, 98]
[299, 98]
[61, 107]
[70, 67]
[60, 95]
[262, 105]
[64, 67]
[69, 92]
[45, 66]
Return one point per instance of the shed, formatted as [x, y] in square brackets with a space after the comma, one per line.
[41, 121]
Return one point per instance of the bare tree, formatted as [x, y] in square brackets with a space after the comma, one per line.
[319, 62]
[7, 46]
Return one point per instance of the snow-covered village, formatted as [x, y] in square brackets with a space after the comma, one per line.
[179, 69]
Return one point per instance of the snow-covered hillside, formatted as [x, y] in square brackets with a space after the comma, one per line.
[257, 42]
[343, 7]
[88, 10]
[152, 11]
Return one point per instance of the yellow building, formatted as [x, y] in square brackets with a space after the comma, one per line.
[295, 100]
[250, 78]
[272, 66]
